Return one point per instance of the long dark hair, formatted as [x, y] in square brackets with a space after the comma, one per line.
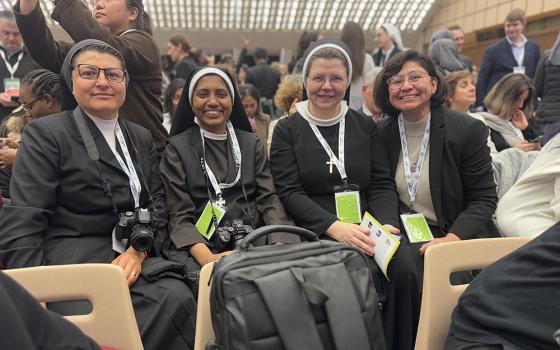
[172, 88]
[142, 21]
[353, 36]
[251, 91]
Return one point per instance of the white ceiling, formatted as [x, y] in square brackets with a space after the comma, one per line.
[277, 15]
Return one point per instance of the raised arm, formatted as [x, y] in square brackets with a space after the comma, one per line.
[37, 36]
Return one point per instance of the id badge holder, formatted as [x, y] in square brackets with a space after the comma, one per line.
[519, 69]
[11, 86]
[210, 218]
[348, 206]
[416, 228]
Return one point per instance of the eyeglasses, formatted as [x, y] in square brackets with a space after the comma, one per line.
[414, 77]
[28, 106]
[332, 80]
[91, 72]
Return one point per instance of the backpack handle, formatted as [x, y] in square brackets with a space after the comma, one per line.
[265, 230]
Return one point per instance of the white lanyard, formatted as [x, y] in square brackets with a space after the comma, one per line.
[218, 187]
[339, 162]
[413, 181]
[128, 168]
[11, 69]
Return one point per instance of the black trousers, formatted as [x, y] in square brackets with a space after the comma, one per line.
[27, 326]
[401, 304]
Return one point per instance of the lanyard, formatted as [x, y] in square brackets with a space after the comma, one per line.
[218, 187]
[413, 181]
[128, 168]
[11, 69]
[339, 162]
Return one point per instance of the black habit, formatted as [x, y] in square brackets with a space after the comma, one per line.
[188, 189]
[513, 303]
[301, 173]
[61, 215]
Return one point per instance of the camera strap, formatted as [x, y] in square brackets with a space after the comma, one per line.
[218, 187]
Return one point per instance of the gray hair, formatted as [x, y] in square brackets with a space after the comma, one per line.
[371, 75]
[8, 16]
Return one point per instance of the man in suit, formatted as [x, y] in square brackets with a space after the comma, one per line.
[459, 39]
[16, 62]
[514, 53]
[389, 43]
[262, 76]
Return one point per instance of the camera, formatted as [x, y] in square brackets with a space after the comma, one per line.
[230, 234]
[138, 227]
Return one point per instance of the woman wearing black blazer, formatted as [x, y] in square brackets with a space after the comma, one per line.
[456, 191]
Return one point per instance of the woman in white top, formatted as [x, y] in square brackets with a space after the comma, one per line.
[532, 204]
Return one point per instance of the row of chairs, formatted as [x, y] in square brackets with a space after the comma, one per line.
[112, 320]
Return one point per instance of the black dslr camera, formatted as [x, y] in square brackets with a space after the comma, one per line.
[230, 234]
[138, 227]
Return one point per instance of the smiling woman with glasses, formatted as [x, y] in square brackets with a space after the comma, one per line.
[438, 157]
[77, 173]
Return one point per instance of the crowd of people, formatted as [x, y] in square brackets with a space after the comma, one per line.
[101, 133]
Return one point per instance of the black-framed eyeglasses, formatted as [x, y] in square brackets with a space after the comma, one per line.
[28, 106]
[91, 72]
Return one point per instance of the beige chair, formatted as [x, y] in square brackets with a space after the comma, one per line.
[204, 329]
[439, 297]
[111, 322]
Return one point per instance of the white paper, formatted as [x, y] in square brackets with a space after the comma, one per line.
[386, 243]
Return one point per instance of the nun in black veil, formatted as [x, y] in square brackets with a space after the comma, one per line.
[326, 148]
[216, 170]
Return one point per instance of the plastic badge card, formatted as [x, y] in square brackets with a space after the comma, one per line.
[205, 224]
[417, 228]
[11, 86]
[348, 206]
[386, 243]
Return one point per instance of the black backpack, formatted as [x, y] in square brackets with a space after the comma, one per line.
[307, 296]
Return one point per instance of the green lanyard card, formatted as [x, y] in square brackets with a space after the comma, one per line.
[416, 228]
[348, 206]
[205, 224]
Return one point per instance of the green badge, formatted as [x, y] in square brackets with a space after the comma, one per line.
[205, 224]
[417, 228]
[348, 206]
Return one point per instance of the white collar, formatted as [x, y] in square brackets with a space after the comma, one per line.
[387, 53]
[212, 136]
[523, 41]
[303, 109]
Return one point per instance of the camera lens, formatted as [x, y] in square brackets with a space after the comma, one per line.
[141, 239]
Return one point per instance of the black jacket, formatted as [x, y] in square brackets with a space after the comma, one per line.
[461, 180]
[377, 55]
[185, 67]
[59, 212]
[265, 79]
[547, 85]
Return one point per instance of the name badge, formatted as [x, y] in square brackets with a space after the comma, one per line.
[519, 69]
[416, 228]
[11, 86]
[206, 223]
[347, 200]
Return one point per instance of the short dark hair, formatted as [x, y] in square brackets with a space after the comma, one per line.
[181, 41]
[142, 21]
[261, 54]
[393, 66]
[516, 15]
